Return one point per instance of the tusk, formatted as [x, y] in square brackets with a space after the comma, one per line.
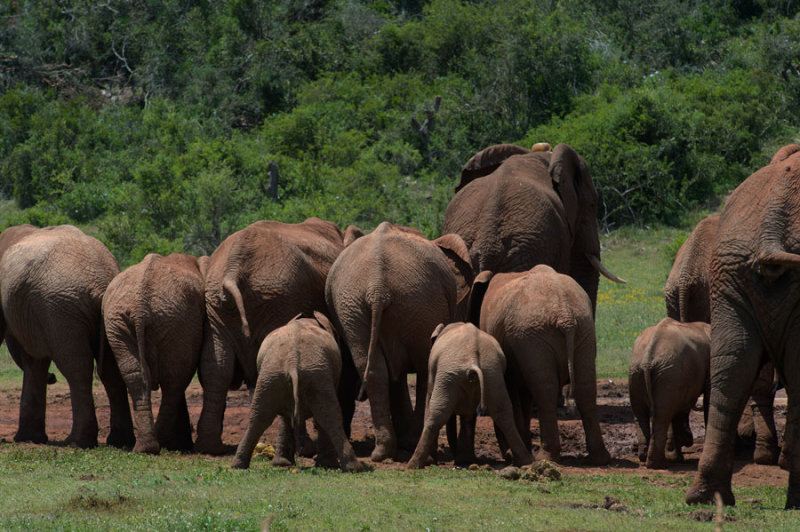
[595, 260]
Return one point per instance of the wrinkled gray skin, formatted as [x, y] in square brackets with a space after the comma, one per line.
[516, 208]
[687, 296]
[755, 317]
[466, 375]
[257, 280]
[387, 292]
[669, 371]
[543, 321]
[299, 366]
[51, 287]
[154, 315]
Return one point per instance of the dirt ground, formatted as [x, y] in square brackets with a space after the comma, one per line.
[616, 418]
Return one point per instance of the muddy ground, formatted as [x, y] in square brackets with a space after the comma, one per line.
[616, 418]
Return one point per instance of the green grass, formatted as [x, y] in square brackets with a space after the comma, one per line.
[51, 488]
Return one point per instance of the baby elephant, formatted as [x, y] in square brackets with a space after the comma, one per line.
[466, 374]
[299, 366]
[669, 371]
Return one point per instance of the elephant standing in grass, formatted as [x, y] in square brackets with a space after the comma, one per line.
[544, 323]
[755, 297]
[669, 371]
[257, 280]
[155, 318]
[387, 292]
[466, 375]
[299, 366]
[52, 282]
[516, 208]
[688, 299]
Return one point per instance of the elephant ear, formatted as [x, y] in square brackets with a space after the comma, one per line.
[784, 153]
[324, 322]
[351, 234]
[202, 265]
[479, 287]
[568, 172]
[487, 161]
[436, 332]
[457, 253]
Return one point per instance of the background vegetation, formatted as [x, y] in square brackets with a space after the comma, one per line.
[152, 124]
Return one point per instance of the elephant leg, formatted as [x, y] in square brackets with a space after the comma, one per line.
[502, 413]
[642, 414]
[328, 419]
[216, 371]
[131, 372]
[77, 369]
[656, 458]
[379, 404]
[441, 408]
[762, 399]
[452, 434]
[121, 433]
[262, 414]
[790, 434]
[791, 441]
[34, 395]
[402, 413]
[584, 390]
[173, 426]
[538, 367]
[465, 447]
[736, 353]
[285, 446]
[681, 436]
[349, 383]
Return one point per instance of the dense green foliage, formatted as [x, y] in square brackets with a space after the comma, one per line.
[153, 123]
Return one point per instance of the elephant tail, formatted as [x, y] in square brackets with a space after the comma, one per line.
[296, 412]
[570, 339]
[230, 290]
[377, 313]
[150, 380]
[475, 373]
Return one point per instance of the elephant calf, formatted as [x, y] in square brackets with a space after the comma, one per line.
[466, 374]
[669, 370]
[299, 366]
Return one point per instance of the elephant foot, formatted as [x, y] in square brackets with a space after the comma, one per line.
[465, 458]
[355, 466]
[282, 461]
[327, 461]
[656, 463]
[600, 457]
[147, 446]
[793, 494]
[85, 439]
[121, 438]
[213, 446]
[547, 455]
[674, 456]
[785, 460]
[32, 436]
[240, 463]
[382, 452]
[702, 492]
[309, 448]
[766, 454]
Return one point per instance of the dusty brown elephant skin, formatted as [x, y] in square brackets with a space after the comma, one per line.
[299, 366]
[387, 292]
[754, 300]
[51, 286]
[669, 371]
[544, 323]
[154, 314]
[257, 280]
[466, 374]
[516, 208]
[686, 293]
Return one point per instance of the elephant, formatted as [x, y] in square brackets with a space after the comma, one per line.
[466, 375]
[755, 290]
[687, 297]
[155, 315]
[299, 366]
[544, 323]
[516, 208]
[257, 280]
[387, 292]
[51, 287]
[669, 371]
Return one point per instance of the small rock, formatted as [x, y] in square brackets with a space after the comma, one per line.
[510, 473]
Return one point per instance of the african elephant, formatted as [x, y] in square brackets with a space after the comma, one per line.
[154, 316]
[299, 366]
[466, 375]
[516, 208]
[669, 371]
[51, 288]
[544, 323]
[387, 292]
[755, 291]
[687, 296]
[257, 280]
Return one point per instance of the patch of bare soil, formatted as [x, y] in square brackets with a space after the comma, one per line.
[616, 419]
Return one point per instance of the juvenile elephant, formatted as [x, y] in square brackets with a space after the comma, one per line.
[465, 376]
[154, 316]
[544, 323]
[299, 366]
[51, 288]
[688, 299]
[755, 296]
[669, 371]
[387, 292]
[257, 280]
[516, 208]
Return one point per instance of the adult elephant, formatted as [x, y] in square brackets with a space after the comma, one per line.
[257, 280]
[387, 292]
[516, 208]
[154, 314]
[688, 300]
[52, 282]
[755, 316]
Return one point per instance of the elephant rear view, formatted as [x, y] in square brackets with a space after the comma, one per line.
[154, 314]
[257, 280]
[51, 286]
[387, 292]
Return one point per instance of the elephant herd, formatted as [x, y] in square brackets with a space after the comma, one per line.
[494, 317]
